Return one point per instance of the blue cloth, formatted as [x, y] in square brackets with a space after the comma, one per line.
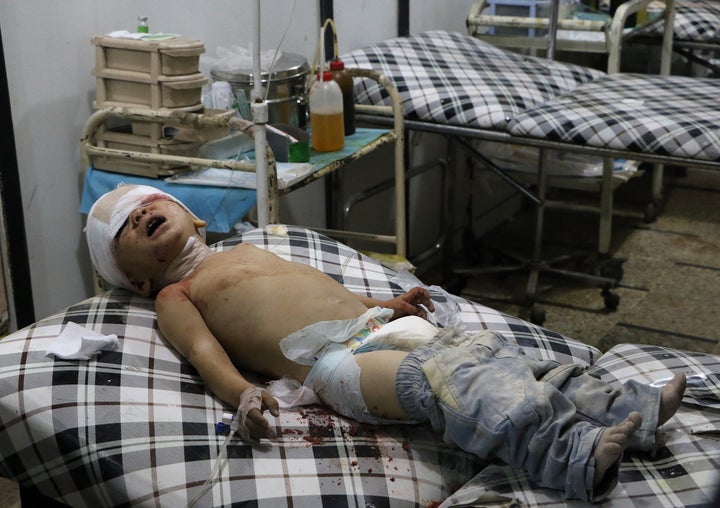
[485, 396]
[220, 207]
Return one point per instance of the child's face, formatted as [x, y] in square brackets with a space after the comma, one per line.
[152, 237]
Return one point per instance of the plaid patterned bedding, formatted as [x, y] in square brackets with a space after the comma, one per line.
[665, 115]
[684, 472]
[452, 79]
[695, 21]
[136, 426]
[449, 78]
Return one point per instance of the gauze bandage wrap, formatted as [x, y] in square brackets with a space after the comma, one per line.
[250, 399]
[184, 264]
[105, 219]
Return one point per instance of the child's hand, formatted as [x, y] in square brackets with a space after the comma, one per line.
[415, 302]
[256, 425]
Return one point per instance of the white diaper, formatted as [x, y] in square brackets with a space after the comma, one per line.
[335, 378]
[305, 345]
[335, 375]
[403, 334]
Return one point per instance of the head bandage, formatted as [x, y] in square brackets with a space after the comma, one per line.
[107, 216]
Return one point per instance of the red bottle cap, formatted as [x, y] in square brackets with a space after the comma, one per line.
[326, 76]
[337, 65]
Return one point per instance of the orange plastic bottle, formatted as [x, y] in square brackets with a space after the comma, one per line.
[345, 80]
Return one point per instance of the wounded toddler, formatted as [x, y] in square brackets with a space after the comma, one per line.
[375, 361]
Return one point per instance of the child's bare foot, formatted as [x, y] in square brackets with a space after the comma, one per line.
[613, 442]
[671, 396]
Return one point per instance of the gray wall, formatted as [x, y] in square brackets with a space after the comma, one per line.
[49, 61]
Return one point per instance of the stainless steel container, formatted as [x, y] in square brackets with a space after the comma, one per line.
[285, 87]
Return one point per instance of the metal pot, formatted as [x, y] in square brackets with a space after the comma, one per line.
[285, 87]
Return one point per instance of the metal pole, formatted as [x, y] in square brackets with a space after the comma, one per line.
[260, 118]
[552, 29]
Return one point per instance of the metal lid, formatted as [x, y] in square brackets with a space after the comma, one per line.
[176, 43]
[288, 66]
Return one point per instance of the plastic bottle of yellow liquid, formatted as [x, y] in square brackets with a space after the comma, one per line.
[326, 114]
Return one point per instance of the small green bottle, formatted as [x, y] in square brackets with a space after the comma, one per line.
[142, 26]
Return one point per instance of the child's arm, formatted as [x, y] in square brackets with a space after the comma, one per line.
[181, 323]
[411, 303]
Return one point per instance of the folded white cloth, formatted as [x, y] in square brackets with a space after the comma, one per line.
[78, 343]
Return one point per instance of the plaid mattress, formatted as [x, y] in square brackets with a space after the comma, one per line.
[695, 21]
[684, 472]
[137, 427]
[665, 115]
[454, 79]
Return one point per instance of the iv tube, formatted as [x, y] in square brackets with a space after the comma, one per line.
[322, 50]
[260, 118]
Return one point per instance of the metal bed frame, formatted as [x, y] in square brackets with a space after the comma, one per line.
[536, 265]
[683, 44]
[615, 36]
[591, 36]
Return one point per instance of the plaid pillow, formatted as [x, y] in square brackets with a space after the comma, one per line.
[450, 78]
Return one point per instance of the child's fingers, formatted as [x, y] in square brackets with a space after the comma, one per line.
[421, 296]
[257, 425]
[270, 404]
[429, 304]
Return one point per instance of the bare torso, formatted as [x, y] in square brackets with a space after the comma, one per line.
[250, 299]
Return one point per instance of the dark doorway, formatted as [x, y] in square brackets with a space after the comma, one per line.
[14, 250]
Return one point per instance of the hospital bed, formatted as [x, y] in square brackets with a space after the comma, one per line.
[580, 30]
[466, 89]
[695, 33]
[135, 426]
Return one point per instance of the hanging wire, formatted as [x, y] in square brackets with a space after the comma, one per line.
[318, 58]
[279, 45]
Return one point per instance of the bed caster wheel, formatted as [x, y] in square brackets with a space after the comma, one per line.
[611, 300]
[537, 315]
[650, 215]
[612, 269]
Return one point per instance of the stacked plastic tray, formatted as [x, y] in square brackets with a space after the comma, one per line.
[152, 74]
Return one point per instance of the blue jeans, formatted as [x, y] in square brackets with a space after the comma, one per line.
[488, 398]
